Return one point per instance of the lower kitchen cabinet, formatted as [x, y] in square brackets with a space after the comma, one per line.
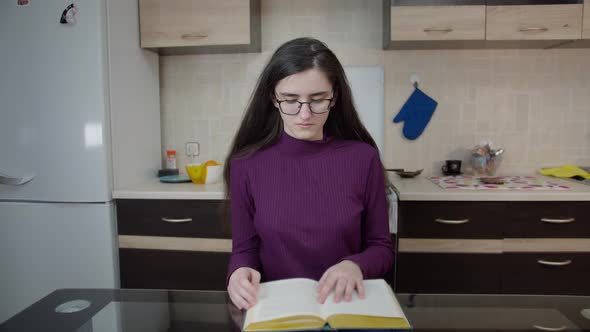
[173, 244]
[546, 273]
[172, 269]
[176, 244]
[507, 273]
[448, 273]
[511, 247]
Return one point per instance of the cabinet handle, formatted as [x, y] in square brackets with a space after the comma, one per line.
[533, 29]
[176, 220]
[447, 30]
[451, 222]
[554, 263]
[194, 35]
[558, 220]
[543, 328]
[15, 180]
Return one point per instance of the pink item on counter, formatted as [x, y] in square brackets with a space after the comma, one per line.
[510, 183]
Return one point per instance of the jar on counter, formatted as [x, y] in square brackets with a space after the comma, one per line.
[171, 159]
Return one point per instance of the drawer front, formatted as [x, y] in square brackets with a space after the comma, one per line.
[169, 269]
[450, 219]
[181, 218]
[437, 23]
[546, 273]
[534, 22]
[448, 273]
[194, 22]
[547, 220]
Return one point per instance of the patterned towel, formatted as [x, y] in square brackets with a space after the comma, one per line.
[510, 183]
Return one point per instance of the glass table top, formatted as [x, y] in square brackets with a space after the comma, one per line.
[108, 310]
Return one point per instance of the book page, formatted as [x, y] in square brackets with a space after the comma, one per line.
[378, 301]
[285, 298]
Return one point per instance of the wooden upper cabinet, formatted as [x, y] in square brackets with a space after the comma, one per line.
[200, 26]
[586, 32]
[437, 23]
[534, 22]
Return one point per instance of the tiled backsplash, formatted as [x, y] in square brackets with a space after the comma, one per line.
[534, 103]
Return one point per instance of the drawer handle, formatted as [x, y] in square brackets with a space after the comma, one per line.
[554, 263]
[533, 29]
[194, 35]
[447, 30]
[558, 220]
[451, 222]
[176, 220]
[543, 328]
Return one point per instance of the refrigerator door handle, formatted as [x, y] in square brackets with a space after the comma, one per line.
[15, 181]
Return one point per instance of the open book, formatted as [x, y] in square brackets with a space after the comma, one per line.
[291, 304]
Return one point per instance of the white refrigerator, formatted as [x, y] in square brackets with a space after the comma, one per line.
[59, 85]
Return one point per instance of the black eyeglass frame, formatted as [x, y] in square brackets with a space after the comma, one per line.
[308, 105]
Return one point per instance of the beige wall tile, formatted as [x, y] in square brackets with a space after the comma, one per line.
[535, 103]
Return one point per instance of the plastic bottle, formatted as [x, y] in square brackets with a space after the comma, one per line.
[171, 159]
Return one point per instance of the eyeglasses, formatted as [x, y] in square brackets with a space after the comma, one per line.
[293, 107]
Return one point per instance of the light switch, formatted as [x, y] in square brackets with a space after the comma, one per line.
[191, 149]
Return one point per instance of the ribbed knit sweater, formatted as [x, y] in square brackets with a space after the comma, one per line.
[298, 207]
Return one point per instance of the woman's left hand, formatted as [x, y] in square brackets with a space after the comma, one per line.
[344, 278]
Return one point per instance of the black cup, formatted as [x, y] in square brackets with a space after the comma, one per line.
[451, 167]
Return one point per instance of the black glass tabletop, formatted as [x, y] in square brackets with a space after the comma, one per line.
[106, 310]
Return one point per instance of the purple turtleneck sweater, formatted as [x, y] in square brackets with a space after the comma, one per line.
[299, 207]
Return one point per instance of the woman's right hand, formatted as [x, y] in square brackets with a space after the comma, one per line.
[243, 287]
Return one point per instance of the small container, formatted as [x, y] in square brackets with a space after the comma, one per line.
[171, 159]
[484, 160]
[205, 173]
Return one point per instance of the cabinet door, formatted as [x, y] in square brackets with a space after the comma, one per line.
[173, 23]
[172, 269]
[546, 273]
[534, 22]
[448, 273]
[437, 23]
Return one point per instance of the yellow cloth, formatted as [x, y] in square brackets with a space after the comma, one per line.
[566, 171]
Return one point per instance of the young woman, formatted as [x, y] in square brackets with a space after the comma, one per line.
[306, 184]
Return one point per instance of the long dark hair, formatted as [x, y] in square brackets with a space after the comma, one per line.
[262, 124]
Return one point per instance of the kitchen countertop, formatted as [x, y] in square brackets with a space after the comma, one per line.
[158, 190]
[416, 189]
[422, 189]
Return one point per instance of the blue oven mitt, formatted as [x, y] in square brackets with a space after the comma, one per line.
[416, 114]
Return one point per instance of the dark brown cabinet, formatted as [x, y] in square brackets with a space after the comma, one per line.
[494, 247]
[450, 220]
[181, 218]
[548, 220]
[448, 273]
[564, 273]
[172, 269]
[173, 244]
